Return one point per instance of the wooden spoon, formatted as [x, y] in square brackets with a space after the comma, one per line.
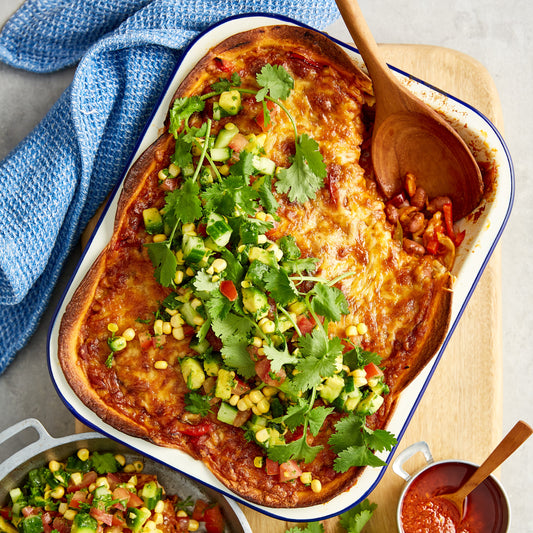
[409, 136]
[510, 443]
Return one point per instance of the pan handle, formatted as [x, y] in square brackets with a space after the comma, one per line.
[397, 466]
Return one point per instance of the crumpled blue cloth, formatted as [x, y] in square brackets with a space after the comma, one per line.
[54, 181]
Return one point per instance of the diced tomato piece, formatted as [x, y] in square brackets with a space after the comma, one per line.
[200, 229]
[214, 521]
[61, 525]
[118, 520]
[5, 512]
[169, 184]
[260, 118]
[272, 467]
[122, 495]
[373, 371]
[197, 430]
[28, 511]
[239, 387]
[289, 470]
[146, 340]
[305, 324]
[264, 371]
[134, 500]
[199, 509]
[238, 142]
[77, 498]
[101, 516]
[227, 288]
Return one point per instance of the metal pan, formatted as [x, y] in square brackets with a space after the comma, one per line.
[14, 469]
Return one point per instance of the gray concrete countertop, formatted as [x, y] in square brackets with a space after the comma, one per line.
[495, 33]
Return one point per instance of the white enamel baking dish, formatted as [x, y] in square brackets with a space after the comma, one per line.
[482, 236]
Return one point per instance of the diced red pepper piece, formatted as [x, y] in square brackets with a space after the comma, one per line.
[214, 521]
[272, 467]
[227, 288]
[102, 516]
[197, 430]
[264, 371]
[238, 142]
[199, 510]
[373, 371]
[260, 118]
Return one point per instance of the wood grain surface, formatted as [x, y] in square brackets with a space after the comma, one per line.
[460, 415]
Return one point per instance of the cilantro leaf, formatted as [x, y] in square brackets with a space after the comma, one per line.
[279, 358]
[235, 354]
[225, 195]
[232, 328]
[356, 518]
[197, 403]
[317, 415]
[306, 174]
[359, 358]
[297, 449]
[183, 204]
[356, 456]
[264, 189]
[104, 463]
[224, 84]
[244, 166]
[348, 432]
[203, 282]
[218, 306]
[234, 271]
[181, 110]
[379, 439]
[297, 266]
[280, 286]
[311, 527]
[295, 414]
[329, 302]
[164, 261]
[182, 155]
[276, 80]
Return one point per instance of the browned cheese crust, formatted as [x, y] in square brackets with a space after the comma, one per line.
[403, 299]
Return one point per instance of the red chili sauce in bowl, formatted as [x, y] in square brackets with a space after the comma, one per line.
[485, 509]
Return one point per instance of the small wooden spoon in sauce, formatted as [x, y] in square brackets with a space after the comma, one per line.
[409, 136]
[510, 443]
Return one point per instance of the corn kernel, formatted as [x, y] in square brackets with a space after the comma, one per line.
[256, 396]
[120, 459]
[316, 486]
[179, 257]
[255, 410]
[76, 478]
[70, 514]
[219, 265]
[306, 478]
[260, 215]
[138, 465]
[171, 312]
[242, 405]
[258, 462]
[262, 239]
[188, 228]
[158, 327]
[129, 334]
[132, 481]
[261, 351]
[198, 320]
[214, 279]
[54, 466]
[263, 406]
[167, 328]
[224, 169]
[129, 468]
[269, 391]
[176, 320]
[181, 514]
[189, 271]
[174, 170]
[160, 365]
[63, 507]
[246, 283]
[257, 342]
[234, 400]
[159, 507]
[102, 482]
[351, 331]
[267, 325]
[193, 525]
[362, 329]
[112, 327]
[210, 270]
[178, 333]
[162, 175]
[262, 435]
[150, 525]
[160, 237]
[178, 277]
[158, 517]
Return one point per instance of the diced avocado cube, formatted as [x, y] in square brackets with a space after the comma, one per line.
[192, 372]
[227, 413]
[15, 494]
[83, 523]
[331, 388]
[256, 273]
[265, 256]
[230, 101]
[136, 518]
[379, 387]
[153, 221]
[264, 165]
[151, 493]
[254, 301]
[211, 366]
[370, 404]
[225, 383]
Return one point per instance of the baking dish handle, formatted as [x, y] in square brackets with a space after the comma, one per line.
[397, 466]
[44, 440]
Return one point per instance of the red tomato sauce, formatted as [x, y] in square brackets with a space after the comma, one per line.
[423, 512]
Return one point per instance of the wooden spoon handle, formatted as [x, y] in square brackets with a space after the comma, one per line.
[510, 443]
[363, 38]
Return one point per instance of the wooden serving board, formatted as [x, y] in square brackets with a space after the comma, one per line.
[460, 415]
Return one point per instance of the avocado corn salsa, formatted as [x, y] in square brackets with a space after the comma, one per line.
[101, 493]
[261, 358]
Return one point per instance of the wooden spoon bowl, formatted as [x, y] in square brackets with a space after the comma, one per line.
[409, 136]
